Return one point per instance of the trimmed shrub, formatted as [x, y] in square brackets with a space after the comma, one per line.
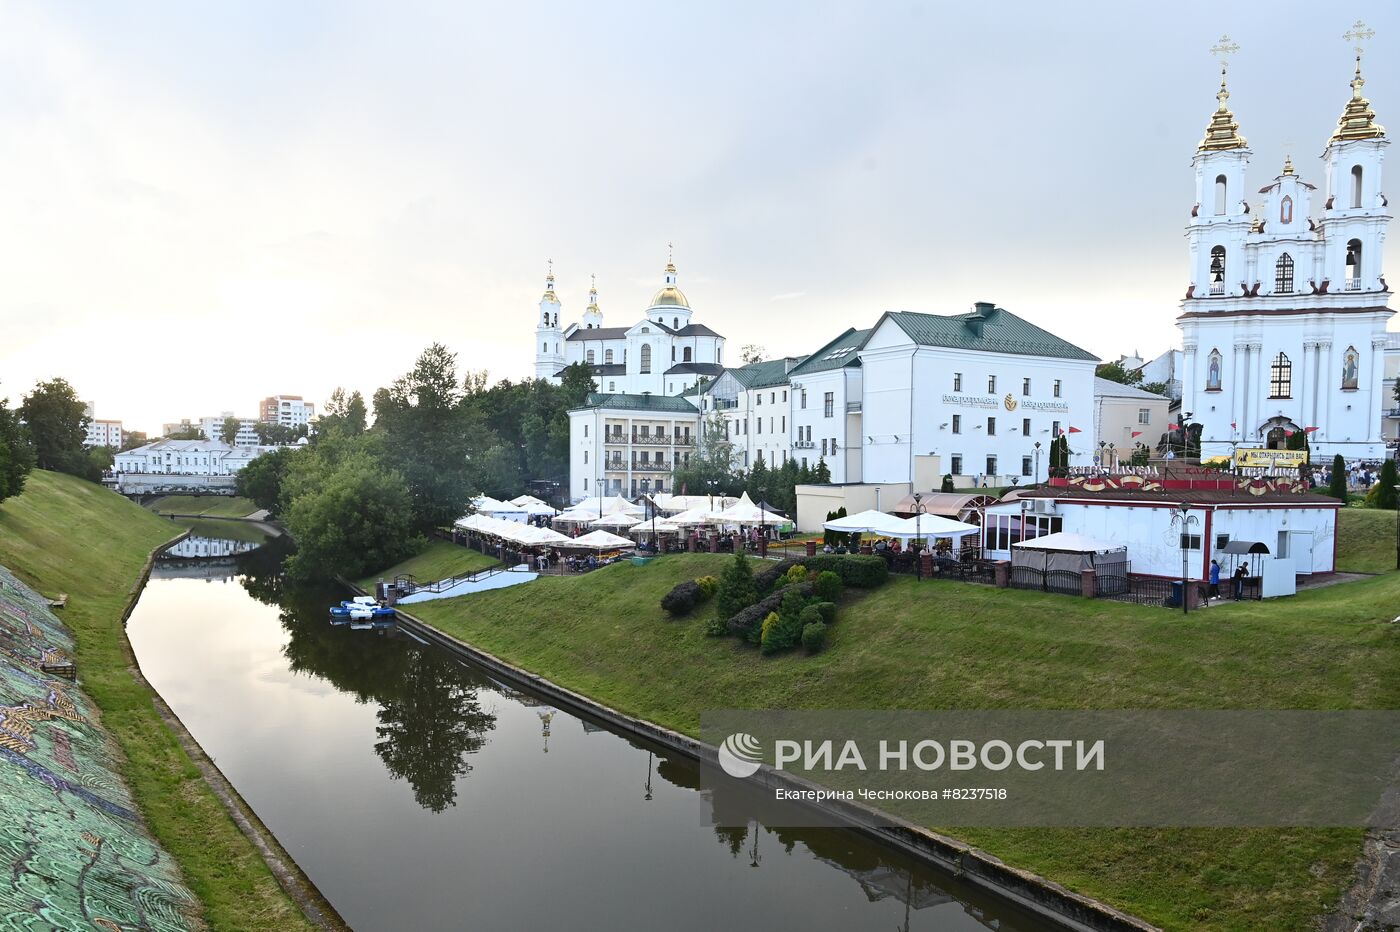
[747, 623]
[809, 614]
[813, 637]
[736, 587]
[796, 574]
[827, 610]
[684, 597]
[717, 627]
[827, 586]
[859, 572]
[769, 635]
[768, 577]
[709, 585]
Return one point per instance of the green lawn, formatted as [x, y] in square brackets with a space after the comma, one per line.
[212, 506]
[66, 535]
[944, 645]
[439, 560]
[1367, 540]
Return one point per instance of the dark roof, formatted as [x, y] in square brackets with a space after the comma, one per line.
[1176, 496]
[673, 403]
[840, 352]
[761, 374]
[986, 329]
[599, 333]
[695, 330]
[1107, 388]
[696, 368]
[613, 368]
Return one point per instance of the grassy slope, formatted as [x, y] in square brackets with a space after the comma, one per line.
[213, 506]
[66, 535]
[439, 560]
[1367, 539]
[949, 645]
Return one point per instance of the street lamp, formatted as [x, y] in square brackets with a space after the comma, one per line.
[1397, 528]
[918, 534]
[1184, 519]
[599, 487]
[1037, 462]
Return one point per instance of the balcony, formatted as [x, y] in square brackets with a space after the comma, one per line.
[615, 438]
[656, 440]
[803, 444]
[1353, 284]
[1217, 288]
[650, 466]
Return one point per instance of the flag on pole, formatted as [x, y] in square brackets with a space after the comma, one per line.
[1173, 427]
[1288, 433]
[1075, 430]
[1308, 430]
[1234, 426]
[1137, 433]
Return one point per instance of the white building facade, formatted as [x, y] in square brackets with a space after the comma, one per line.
[664, 353]
[104, 434]
[287, 410]
[629, 444]
[754, 402]
[1125, 416]
[187, 458]
[826, 397]
[247, 436]
[1284, 321]
[986, 392]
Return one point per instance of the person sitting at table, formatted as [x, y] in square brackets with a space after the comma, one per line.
[827, 548]
[881, 545]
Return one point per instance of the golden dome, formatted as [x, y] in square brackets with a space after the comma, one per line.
[670, 296]
[1222, 132]
[1358, 120]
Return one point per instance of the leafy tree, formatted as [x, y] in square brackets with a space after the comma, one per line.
[1396, 392]
[343, 413]
[497, 473]
[712, 461]
[1337, 487]
[133, 439]
[948, 485]
[358, 517]
[1385, 486]
[736, 587]
[752, 353]
[1114, 372]
[228, 433]
[261, 479]
[187, 433]
[821, 475]
[1142, 455]
[758, 480]
[16, 453]
[99, 460]
[57, 425]
[278, 434]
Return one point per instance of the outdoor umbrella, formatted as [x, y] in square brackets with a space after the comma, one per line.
[615, 520]
[600, 540]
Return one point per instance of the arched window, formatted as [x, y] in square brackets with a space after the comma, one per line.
[1353, 265]
[646, 358]
[1285, 210]
[1356, 186]
[1213, 365]
[589, 357]
[1281, 377]
[685, 354]
[1351, 368]
[607, 357]
[544, 347]
[675, 323]
[1217, 270]
[1283, 275]
[1220, 188]
[673, 352]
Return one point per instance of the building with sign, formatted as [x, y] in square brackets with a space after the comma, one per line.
[1284, 320]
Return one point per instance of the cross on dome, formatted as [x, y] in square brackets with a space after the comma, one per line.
[1223, 132]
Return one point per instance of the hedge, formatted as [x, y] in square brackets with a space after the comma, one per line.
[746, 623]
[861, 572]
[684, 597]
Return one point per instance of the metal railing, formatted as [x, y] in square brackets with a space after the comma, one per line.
[1353, 284]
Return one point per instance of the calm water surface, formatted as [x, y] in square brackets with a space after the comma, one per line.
[418, 793]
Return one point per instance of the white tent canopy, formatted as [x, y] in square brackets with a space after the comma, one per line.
[600, 540]
[605, 506]
[1069, 543]
[677, 503]
[616, 520]
[932, 526]
[698, 515]
[868, 522]
[745, 511]
[1064, 551]
[533, 506]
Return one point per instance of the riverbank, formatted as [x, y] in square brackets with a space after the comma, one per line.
[439, 560]
[63, 535]
[202, 506]
[949, 645]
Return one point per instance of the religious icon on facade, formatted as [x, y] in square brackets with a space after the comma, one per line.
[1351, 367]
[1213, 372]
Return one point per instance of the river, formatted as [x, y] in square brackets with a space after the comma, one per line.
[418, 793]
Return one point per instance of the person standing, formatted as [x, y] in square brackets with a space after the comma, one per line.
[1240, 573]
[1214, 591]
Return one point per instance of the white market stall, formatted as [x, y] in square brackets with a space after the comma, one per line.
[1066, 551]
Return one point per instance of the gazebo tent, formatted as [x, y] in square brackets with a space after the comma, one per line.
[959, 506]
[1237, 550]
[867, 522]
[934, 526]
[745, 511]
[598, 540]
[1065, 551]
[615, 520]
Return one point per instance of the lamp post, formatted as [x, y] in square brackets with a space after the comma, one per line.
[1397, 529]
[599, 487]
[1185, 519]
[919, 534]
[1113, 455]
[1037, 462]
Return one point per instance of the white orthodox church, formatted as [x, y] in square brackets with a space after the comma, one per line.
[663, 353]
[1284, 322]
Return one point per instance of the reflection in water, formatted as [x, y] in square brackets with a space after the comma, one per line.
[194, 548]
[512, 817]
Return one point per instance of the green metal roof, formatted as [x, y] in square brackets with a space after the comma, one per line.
[761, 374]
[837, 354]
[987, 329]
[673, 403]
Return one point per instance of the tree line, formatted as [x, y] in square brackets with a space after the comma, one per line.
[48, 431]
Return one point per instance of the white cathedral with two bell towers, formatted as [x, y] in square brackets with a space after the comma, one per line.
[663, 353]
[1284, 320]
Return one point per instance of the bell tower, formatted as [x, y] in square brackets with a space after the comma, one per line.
[549, 338]
[1220, 219]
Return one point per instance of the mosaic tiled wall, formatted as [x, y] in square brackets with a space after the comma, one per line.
[74, 854]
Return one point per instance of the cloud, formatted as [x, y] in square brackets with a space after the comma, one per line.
[788, 296]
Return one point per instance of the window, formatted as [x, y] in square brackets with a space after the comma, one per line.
[612, 386]
[785, 395]
[833, 446]
[1213, 371]
[1025, 465]
[823, 446]
[588, 357]
[1144, 415]
[1025, 386]
[991, 385]
[1025, 426]
[585, 457]
[673, 353]
[585, 430]
[1057, 388]
[772, 398]
[685, 354]
[1221, 540]
[1283, 274]
[1217, 270]
[828, 404]
[1190, 542]
[1356, 186]
[804, 462]
[957, 423]
[1220, 192]
[1285, 210]
[784, 423]
[646, 358]
[802, 403]
[675, 323]
[957, 381]
[991, 465]
[991, 427]
[1353, 265]
[1054, 428]
[956, 464]
[1281, 377]
[1351, 368]
[758, 399]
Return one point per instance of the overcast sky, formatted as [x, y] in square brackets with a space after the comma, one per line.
[205, 204]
